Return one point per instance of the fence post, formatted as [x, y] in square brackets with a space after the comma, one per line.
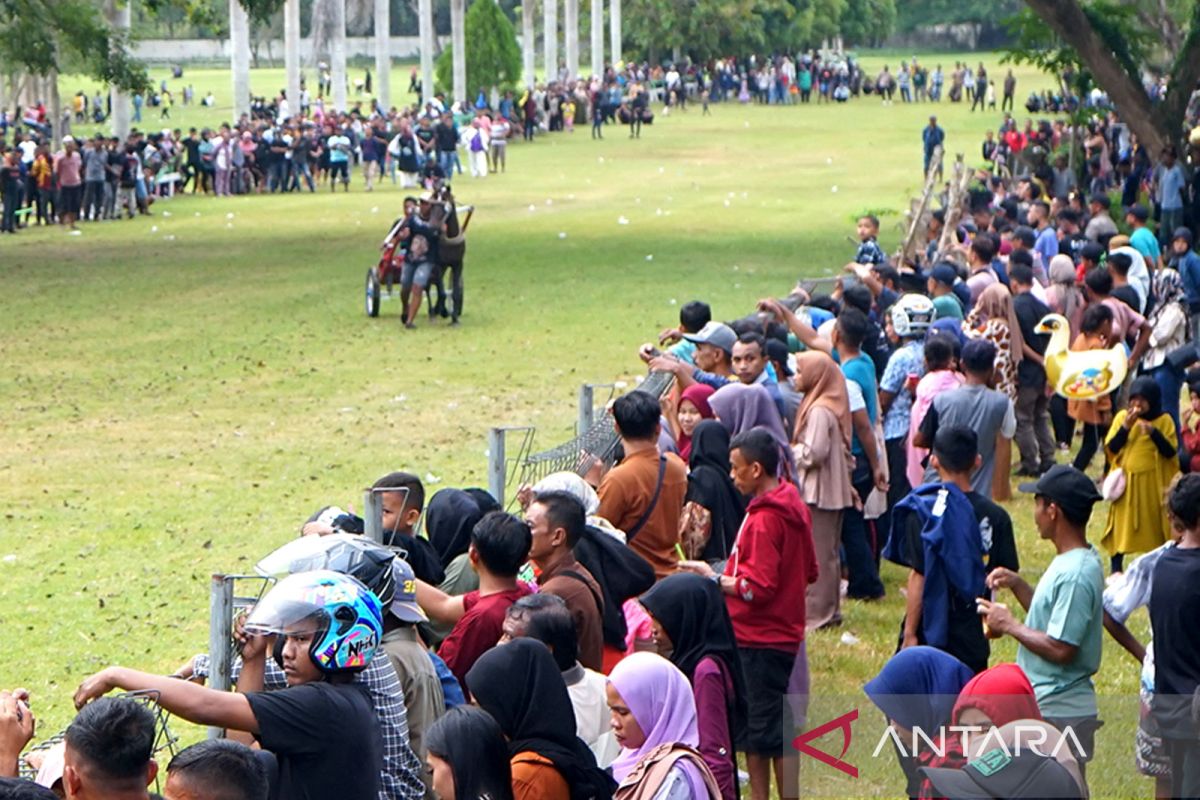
[372, 516]
[220, 639]
[497, 471]
[587, 397]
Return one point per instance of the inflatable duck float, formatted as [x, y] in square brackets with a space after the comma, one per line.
[1080, 374]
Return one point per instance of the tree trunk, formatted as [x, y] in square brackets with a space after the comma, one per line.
[291, 51]
[383, 59]
[528, 44]
[1067, 19]
[614, 30]
[550, 38]
[597, 37]
[458, 48]
[119, 16]
[425, 28]
[337, 52]
[239, 46]
[55, 101]
[319, 30]
[571, 37]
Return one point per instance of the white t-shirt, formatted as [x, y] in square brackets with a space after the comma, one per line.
[590, 703]
[28, 151]
[284, 109]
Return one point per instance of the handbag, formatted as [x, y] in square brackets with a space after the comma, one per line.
[1114, 485]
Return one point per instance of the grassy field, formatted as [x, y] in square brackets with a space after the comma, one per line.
[181, 391]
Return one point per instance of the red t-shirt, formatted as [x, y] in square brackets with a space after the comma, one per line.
[478, 630]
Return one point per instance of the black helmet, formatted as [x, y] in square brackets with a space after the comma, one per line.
[348, 554]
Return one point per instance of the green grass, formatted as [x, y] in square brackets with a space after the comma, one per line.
[175, 407]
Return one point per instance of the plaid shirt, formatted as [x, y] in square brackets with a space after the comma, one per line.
[401, 776]
[869, 252]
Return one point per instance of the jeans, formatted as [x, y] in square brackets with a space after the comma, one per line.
[1185, 766]
[277, 178]
[93, 200]
[1171, 219]
[446, 160]
[857, 545]
[1033, 428]
[12, 200]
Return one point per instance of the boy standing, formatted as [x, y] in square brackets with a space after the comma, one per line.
[499, 548]
[764, 582]
[869, 251]
[1033, 406]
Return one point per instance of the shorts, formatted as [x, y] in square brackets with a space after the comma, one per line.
[71, 199]
[766, 700]
[1150, 753]
[416, 272]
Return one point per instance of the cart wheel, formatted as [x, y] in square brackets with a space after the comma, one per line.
[372, 293]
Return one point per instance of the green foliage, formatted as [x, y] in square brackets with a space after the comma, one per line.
[42, 36]
[868, 22]
[911, 14]
[493, 55]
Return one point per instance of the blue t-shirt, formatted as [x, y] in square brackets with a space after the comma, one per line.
[337, 154]
[1144, 242]
[1067, 605]
[861, 370]
[1170, 184]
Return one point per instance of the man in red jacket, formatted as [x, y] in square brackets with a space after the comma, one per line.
[765, 580]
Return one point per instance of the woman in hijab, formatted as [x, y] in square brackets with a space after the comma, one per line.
[993, 318]
[520, 685]
[691, 627]
[1063, 294]
[714, 509]
[653, 716]
[449, 519]
[1169, 329]
[916, 690]
[1142, 444]
[993, 698]
[468, 757]
[824, 464]
[683, 418]
[741, 407]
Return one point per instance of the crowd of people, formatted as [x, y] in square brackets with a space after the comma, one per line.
[635, 628]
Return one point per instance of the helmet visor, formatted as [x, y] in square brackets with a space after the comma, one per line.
[297, 605]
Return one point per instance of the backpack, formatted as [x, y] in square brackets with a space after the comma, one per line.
[621, 574]
[477, 143]
[648, 776]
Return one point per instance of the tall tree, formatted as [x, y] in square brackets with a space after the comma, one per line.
[492, 54]
[1119, 48]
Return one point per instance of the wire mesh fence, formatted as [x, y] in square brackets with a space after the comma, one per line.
[597, 443]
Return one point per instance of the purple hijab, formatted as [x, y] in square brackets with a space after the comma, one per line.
[661, 700]
[741, 407]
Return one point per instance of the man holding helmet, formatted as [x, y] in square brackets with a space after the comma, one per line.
[906, 323]
[324, 720]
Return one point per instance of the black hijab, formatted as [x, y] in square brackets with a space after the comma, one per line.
[451, 516]
[693, 614]
[709, 485]
[1146, 388]
[519, 684]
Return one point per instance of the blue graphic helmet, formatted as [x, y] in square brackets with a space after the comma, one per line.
[343, 616]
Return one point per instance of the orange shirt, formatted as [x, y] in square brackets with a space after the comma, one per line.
[535, 777]
[626, 492]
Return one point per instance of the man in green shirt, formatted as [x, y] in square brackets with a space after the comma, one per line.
[1059, 642]
[941, 289]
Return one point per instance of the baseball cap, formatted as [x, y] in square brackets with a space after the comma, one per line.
[1023, 759]
[404, 602]
[1139, 211]
[1067, 488]
[777, 351]
[718, 334]
[996, 774]
[945, 274]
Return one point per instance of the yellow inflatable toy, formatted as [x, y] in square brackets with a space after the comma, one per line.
[1080, 374]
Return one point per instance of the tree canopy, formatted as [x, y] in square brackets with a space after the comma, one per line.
[493, 55]
[1119, 45]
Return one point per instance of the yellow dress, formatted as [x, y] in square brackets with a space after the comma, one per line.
[1137, 520]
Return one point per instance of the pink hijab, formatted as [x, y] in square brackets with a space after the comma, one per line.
[697, 394]
[661, 700]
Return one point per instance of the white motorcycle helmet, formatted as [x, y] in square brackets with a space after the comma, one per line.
[912, 315]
